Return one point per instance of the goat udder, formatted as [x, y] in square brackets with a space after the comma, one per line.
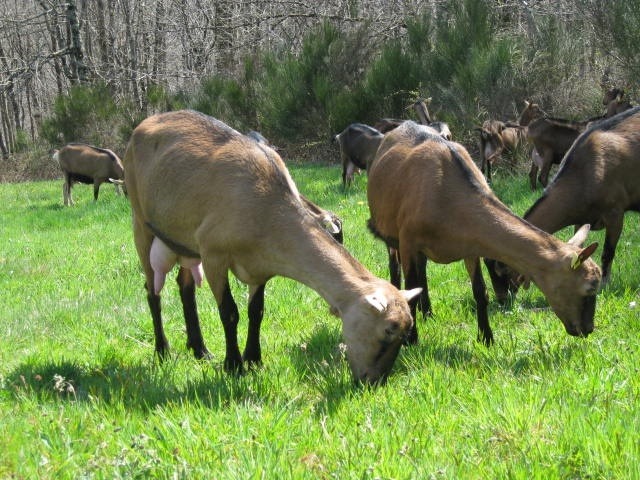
[162, 260]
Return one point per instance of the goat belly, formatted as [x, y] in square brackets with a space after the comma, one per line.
[162, 260]
[78, 177]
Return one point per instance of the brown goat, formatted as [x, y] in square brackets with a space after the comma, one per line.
[460, 218]
[203, 192]
[87, 164]
[615, 103]
[497, 137]
[551, 138]
[597, 183]
[530, 112]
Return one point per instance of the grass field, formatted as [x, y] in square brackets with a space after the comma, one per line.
[81, 395]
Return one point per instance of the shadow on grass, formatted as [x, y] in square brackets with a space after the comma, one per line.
[139, 386]
[145, 385]
[54, 206]
[536, 358]
[322, 366]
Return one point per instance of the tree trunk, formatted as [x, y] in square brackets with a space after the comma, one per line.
[78, 67]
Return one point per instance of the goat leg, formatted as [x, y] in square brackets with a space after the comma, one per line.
[162, 345]
[424, 302]
[614, 224]
[229, 316]
[415, 276]
[252, 352]
[480, 295]
[533, 175]
[96, 189]
[544, 172]
[395, 270]
[187, 287]
[503, 285]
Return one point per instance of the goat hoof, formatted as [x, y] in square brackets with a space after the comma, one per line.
[487, 339]
[203, 354]
[253, 364]
[233, 366]
[162, 353]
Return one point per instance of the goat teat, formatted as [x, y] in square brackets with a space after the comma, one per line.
[162, 260]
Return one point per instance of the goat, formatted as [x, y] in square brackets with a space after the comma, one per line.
[212, 195]
[613, 100]
[551, 138]
[87, 164]
[459, 217]
[597, 183]
[420, 106]
[495, 138]
[358, 144]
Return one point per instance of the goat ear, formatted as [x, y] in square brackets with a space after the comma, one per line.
[411, 294]
[378, 301]
[586, 252]
[580, 236]
[330, 226]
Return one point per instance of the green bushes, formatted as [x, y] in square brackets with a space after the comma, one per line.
[468, 56]
[83, 115]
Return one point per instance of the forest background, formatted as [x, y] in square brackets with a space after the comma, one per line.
[298, 72]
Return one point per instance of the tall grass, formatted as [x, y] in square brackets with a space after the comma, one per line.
[81, 395]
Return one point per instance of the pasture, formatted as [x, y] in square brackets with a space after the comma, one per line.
[82, 396]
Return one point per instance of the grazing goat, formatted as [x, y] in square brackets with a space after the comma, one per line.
[429, 200]
[597, 183]
[87, 164]
[358, 144]
[207, 194]
[497, 137]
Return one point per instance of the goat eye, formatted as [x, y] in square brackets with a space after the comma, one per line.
[391, 330]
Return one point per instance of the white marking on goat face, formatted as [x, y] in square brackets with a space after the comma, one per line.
[374, 329]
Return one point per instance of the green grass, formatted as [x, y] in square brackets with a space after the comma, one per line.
[81, 395]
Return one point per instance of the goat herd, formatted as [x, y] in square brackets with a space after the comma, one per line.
[212, 200]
